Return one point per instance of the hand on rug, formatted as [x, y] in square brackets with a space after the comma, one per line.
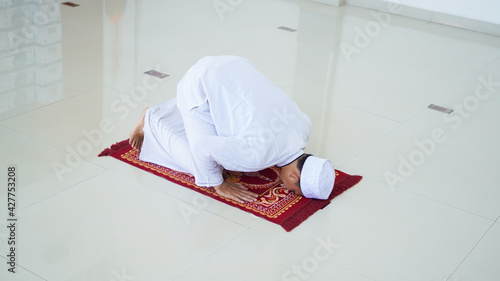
[236, 192]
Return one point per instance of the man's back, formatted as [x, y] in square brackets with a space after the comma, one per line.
[241, 103]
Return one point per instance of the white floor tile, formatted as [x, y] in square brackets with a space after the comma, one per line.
[386, 235]
[194, 202]
[110, 224]
[364, 78]
[482, 262]
[428, 157]
[85, 124]
[333, 137]
[475, 120]
[254, 256]
[397, 97]
[485, 85]
[20, 274]
[42, 171]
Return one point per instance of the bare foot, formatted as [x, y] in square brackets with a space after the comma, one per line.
[137, 134]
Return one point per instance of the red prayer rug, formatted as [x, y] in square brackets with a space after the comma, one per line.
[275, 203]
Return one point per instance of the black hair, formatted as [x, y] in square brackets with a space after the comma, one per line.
[300, 164]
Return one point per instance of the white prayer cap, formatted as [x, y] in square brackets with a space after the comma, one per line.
[317, 178]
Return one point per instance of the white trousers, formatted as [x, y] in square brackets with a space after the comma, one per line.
[165, 142]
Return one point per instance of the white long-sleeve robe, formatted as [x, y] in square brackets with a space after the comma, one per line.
[233, 118]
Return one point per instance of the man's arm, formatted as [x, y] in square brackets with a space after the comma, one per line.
[204, 145]
[208, 173]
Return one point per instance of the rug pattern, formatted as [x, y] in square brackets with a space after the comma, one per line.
[275, 203]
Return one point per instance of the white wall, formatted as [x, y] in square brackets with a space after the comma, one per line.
[331, 2]
[481, 10]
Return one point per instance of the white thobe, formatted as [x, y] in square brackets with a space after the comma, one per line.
[233, 118]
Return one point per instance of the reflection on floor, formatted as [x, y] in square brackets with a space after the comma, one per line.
[72, 83]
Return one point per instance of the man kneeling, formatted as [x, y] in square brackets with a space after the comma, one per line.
[227, 115]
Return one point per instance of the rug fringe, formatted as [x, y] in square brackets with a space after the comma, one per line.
[114, 148]
[346, 184]
[294, 221]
